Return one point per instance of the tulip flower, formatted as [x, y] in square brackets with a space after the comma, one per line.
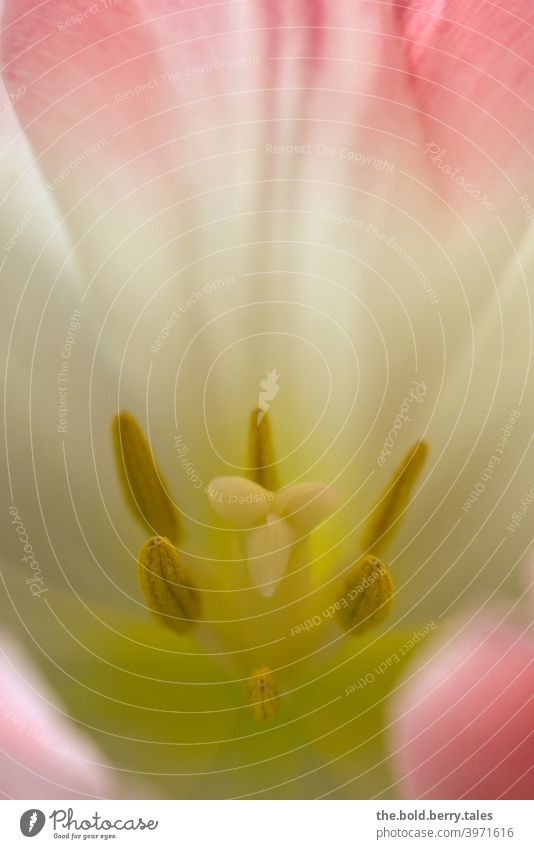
[267, 345]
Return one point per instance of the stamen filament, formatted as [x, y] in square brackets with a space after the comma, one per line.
[261, 452]
[384, 521]
[144, 486]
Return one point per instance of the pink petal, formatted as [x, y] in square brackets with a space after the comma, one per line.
[160, 86]
[528, 581]
[154, 124]
[462, 720]
[473, 75]
[272, 60]
[42, 755]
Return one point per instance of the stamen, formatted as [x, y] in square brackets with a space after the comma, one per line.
[384, 521]
[263, 695]
[261, 451]
[167, 585]
[143, 484]
[368, 596]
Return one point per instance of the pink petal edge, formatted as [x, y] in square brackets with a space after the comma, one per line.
[42, 754]
[462, 718]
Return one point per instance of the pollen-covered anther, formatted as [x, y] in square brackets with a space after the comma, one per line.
[144, 486]
[167, 585]
[368, 596]
[263, 695]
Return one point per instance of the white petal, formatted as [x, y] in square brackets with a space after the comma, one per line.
[268, 550]
[240, 501]
[305, 505]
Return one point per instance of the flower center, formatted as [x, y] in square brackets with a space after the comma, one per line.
[255, 605]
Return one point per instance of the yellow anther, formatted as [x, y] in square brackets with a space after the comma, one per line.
[367, 596]
[384, 520]
[263, 695]
[167, 586]
[261, 451]
[143, 484]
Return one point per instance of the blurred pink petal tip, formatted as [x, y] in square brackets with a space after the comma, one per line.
[462, 720]
[42, 754]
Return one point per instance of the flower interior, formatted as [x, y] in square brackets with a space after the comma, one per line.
[265, 612]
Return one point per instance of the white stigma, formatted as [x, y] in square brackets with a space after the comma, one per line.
[273, 522]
